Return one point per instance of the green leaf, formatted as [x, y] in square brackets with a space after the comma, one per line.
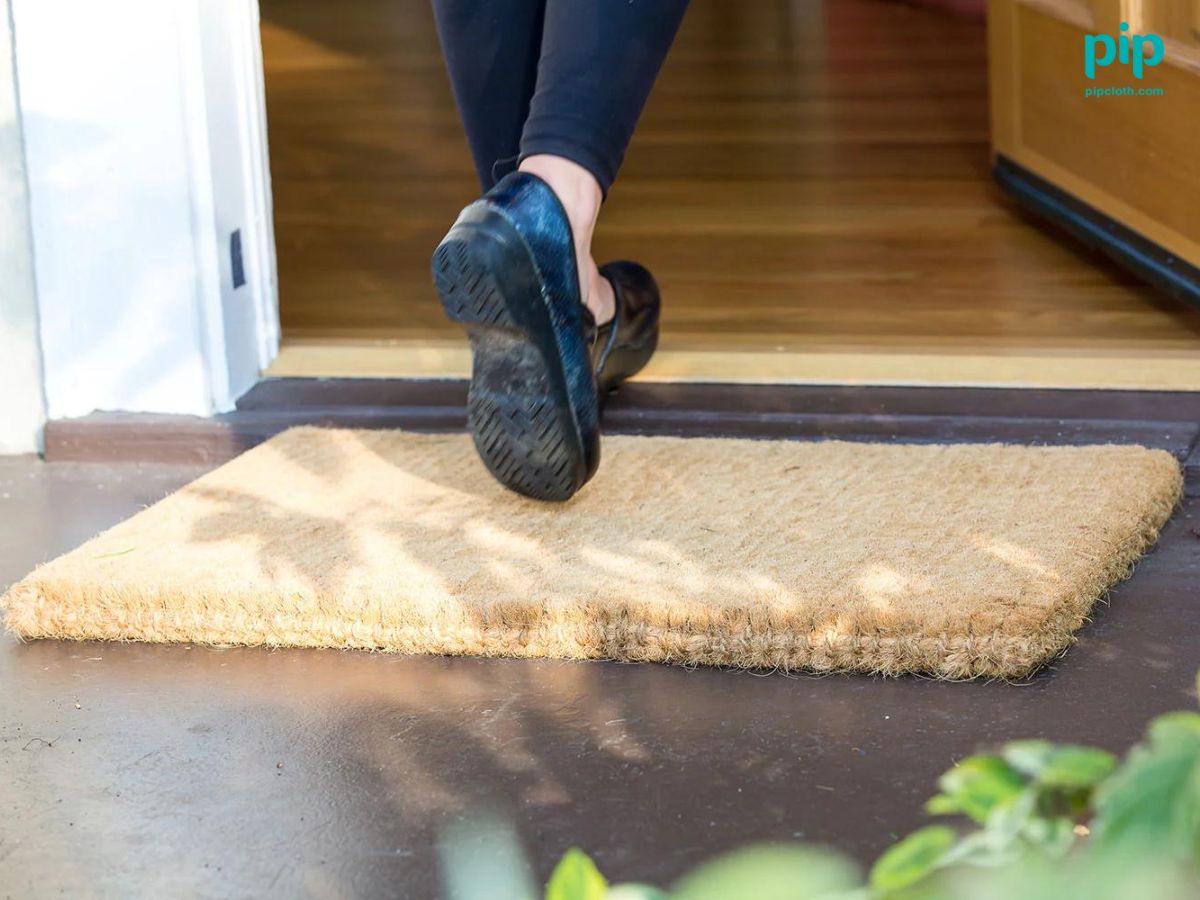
[1028, 757]
[913, 859]
[1177, 728]
[1085, 875]
[942, 805]
[1060, 765]
[1077, 767]
[1153, 800]
[976, 786]
[576, 878]
[1008, 819]
[1053, 837]
[769, 872]
[981, 848]
[635, 892]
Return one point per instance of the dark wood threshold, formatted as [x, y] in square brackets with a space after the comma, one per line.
[1168, 420]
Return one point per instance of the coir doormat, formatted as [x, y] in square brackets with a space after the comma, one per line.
[956, 560]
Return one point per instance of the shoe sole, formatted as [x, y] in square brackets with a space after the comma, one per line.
[519, 409]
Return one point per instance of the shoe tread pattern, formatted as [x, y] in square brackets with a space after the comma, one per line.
[519, 431]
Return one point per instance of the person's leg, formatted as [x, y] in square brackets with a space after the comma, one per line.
[599, 60]
[491, 49]
[515, 269]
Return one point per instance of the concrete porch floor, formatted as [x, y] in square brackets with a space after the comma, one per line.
[136, 770]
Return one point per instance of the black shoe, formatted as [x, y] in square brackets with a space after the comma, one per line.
[624, 345]
[506, 270]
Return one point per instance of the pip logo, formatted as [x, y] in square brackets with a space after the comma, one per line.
[1130, 51]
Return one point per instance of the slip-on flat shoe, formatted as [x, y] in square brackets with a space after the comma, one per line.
[506, 272]
[624, 344]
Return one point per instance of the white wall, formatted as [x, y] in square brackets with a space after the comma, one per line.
[21, 398]
[130, 228]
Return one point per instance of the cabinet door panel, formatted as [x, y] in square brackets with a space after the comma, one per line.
[1133, 158]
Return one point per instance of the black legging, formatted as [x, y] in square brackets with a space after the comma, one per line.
[564, 77]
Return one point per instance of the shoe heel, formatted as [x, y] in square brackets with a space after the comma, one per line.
[517, 411]
[469, 293]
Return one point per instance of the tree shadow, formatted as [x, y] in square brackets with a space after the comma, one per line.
[412, 546]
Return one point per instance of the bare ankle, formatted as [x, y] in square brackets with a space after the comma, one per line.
[580, 195]
[576, 188]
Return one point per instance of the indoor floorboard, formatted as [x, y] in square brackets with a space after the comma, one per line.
[810, 184]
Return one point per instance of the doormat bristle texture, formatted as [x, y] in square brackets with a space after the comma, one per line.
[956, 561]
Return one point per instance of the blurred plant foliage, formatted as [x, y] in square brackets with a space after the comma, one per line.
[1035, 820]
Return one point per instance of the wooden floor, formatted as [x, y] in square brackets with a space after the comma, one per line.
[810, 184]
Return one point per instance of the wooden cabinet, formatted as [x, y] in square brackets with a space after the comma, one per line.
[1125, 164]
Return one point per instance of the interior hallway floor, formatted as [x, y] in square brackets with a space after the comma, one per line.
[810, 184]
[140, 770]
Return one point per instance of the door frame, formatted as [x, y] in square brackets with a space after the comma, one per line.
[149, 201]
[22, 402]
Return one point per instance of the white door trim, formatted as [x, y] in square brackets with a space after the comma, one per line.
[227, 113]
[22, 401]
[145, 145]
[253, 106]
